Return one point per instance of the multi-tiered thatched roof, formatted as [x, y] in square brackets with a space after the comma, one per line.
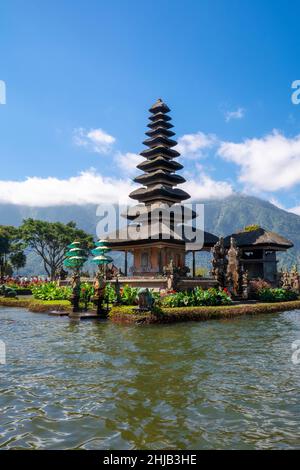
[159, 179]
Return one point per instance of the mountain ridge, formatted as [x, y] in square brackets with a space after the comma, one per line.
[221, 217]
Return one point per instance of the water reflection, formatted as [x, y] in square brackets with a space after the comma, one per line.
[96, 385]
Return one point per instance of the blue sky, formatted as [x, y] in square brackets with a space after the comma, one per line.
[81, 75]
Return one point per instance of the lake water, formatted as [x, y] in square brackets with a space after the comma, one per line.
[95, 385]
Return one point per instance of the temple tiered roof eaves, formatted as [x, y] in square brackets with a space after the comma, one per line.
[159, 192]
[159, 177]
[160, 162]
[160, 150]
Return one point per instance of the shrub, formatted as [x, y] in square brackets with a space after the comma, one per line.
[110, 293]
[86, 292]
[202, 272]
[276, 295]
[256, 285]
[51, 291]
[251, 228]
[129, 295]
[197, 297]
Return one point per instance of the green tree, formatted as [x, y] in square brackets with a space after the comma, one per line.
[18, 260]
[50, 239]
[11, 250]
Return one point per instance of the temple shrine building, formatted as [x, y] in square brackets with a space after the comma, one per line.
[156, 244]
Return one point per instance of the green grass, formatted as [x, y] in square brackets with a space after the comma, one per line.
[52, 302]
[36, 305]
[120, 314]
[128, 313]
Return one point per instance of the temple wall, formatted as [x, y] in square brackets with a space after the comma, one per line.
[147, 260]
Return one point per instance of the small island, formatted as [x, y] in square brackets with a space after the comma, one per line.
[159, 286]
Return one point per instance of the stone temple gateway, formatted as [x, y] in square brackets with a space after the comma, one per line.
[160, 245]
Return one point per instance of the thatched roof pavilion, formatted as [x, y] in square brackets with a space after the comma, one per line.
[259, 247]
[259, 238]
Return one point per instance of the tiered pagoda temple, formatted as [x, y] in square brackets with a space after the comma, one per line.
[155, 240]
[158, 242]
[160, 165]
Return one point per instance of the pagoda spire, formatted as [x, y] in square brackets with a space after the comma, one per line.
[159, 179]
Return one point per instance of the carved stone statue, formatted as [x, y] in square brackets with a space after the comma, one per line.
[233, 273]
[290, 280]
[75, 284]
[111, 272]
[145, 300]
[169, 272]
[99, 286]
[295, 279]
[118, 289]
[285, 279]
[219, 263]
[245, 285]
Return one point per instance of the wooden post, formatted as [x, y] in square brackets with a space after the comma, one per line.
[126, 264]
[160, 267]
[194, 264]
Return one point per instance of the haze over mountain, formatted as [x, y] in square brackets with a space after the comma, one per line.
[222, 217]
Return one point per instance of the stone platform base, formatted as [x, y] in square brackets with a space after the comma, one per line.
[158, 283]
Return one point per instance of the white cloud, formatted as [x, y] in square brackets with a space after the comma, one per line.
[295, 210]
[193, 145]
[127, 162]
[89, 187]
[267, 164]
[276, 203]
[95, 140]
[237, 114]
[206, 188]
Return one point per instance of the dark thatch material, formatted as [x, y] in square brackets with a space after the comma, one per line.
[160, 117]
[159, 162]
[159, 106]
[158, 232]
[160, 139]
[160, 150]
[180, 213]
[159, 178]
[259, 238]
[159, 192]
[160, 131]
[160, 124]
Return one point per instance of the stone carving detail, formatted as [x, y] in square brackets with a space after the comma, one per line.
[145, 300]
[171, 275]
[118, 289]
[111, 272]
[234, 273]
[295, 279]
[99, 286]
[219, 263]
[227, 269]
[245, 285]
[75, 284]
[290, 280]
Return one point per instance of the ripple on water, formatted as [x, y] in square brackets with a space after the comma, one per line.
[197, 385]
